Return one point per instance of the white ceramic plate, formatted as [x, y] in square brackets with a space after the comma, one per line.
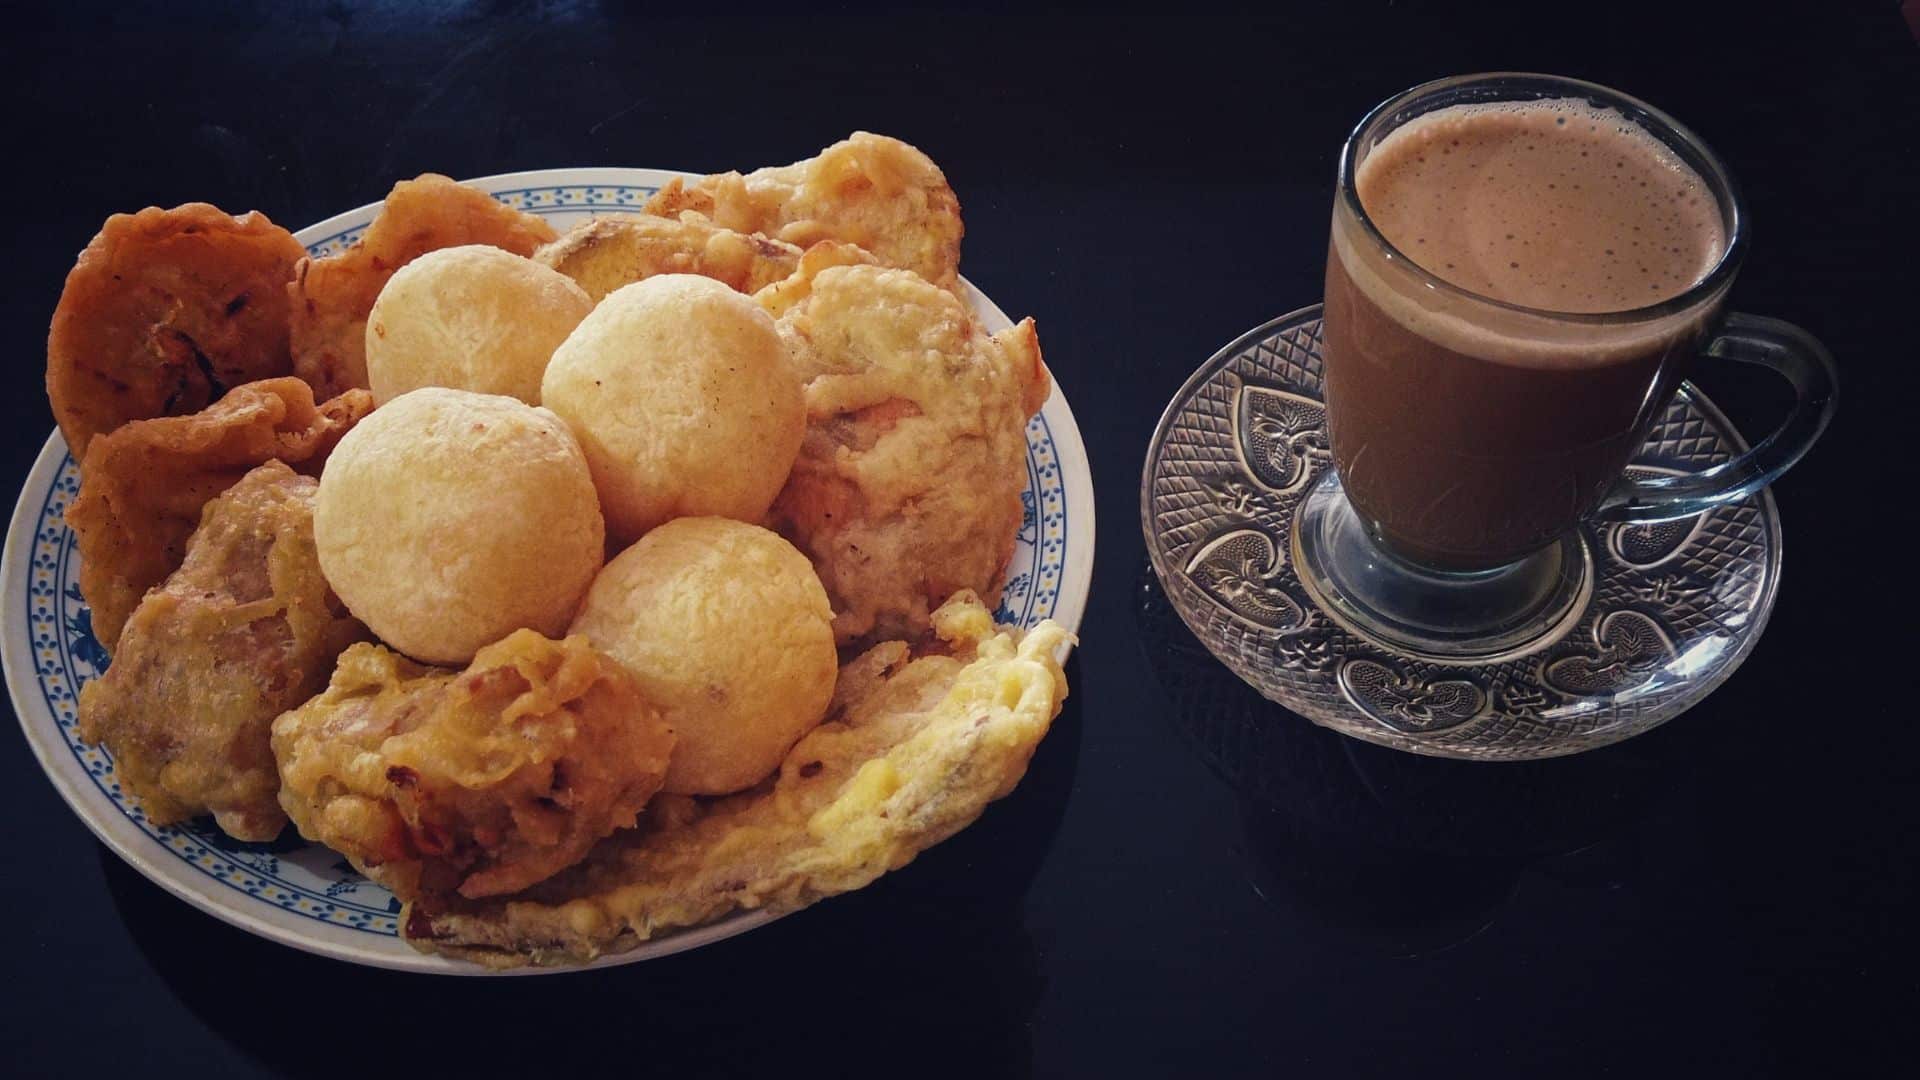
[302, 894]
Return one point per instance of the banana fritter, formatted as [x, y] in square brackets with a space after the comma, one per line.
[912, 752]
[869, 190]
[606, 253]
[163, 312]
[244, 630]
[907, 488]
[142, 487]
[480, 782]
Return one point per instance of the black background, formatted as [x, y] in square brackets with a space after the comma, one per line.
[1190, 881]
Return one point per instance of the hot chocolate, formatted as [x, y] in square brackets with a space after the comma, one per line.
[1473, 424]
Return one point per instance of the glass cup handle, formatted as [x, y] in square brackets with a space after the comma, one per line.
[1769, 343]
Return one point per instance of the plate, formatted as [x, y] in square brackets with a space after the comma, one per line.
[1668, 613]
[305, 895]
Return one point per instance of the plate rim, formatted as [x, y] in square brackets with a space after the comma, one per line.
[130, 844]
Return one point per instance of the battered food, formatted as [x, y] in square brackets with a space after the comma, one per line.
[164, 311]
[472, 318]
[911, 753]
[869, 190]
[480, 783]
[244, 630]
[606, 253]
[448, 519]
[332, 296]
[681, 395]
[907, 487]
[728, 630]
[142, 487]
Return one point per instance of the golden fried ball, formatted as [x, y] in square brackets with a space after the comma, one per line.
[728, 630]
[448, 519]
[680, 392]
[472, 317]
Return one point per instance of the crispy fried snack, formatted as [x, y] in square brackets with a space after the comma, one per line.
[332, 295]
[912, 753]
[482, 782]
[142, 487]
[163, 312]
[606, 253]
[908, 483]
[244, 630]
[879, 193]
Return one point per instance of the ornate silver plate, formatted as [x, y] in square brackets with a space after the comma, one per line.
[1675, 607]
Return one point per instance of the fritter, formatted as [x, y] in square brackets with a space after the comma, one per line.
[606, 253]
[869, 190]
[164, 311]
[479, 783]
[332, 296]
[907, 488]
[142, 487]
[243, 631]
[912, 752]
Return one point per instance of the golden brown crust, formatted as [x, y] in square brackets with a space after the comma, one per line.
[331, 296]
[604, 254]
[878, 193]
[244, 630]
[163, 312]
[143, 486]
[482, 782]
[912, 752]
[908, 483]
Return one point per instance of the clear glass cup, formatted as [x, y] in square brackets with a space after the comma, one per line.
[1472, 436]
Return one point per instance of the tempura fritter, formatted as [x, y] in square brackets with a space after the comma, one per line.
[606, 253]
[481, 782]
[912, 752]
[143, 486]
[869, 190]
[163, 312]
[244, 630]
[907, 488]
[332, 295]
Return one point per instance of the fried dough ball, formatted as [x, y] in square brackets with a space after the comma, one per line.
[244, 630]
[332, 296]
[482, 782]
[680, 393]
[907, 488]
[163, 312]
[473, 318]
[143, 485]
[449, 519]
[880, 193]
[606, 253]
[728, 630]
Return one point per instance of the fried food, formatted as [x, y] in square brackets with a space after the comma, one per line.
[472, 318]
[681, 395]
[332, 296]
[243, 631]
[907, 488]
[164, 311]
[448, 519]
[606, 253]
[142, 487]
[869, 190]
[912, 752]
[728, 630]
[478, 783]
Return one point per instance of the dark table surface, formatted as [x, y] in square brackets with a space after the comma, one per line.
[1190, 881]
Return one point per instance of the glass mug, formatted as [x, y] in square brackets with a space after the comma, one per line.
[1471, 436]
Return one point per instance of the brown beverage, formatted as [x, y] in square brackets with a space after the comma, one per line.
[1470, 433]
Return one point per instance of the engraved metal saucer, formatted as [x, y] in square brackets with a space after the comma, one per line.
[1674, 607]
